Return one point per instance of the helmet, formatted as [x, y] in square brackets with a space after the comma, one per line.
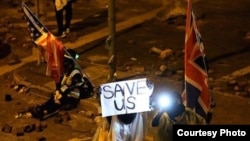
[68, 59]
[70, 54]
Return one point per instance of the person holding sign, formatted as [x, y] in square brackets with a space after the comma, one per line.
[172, 111]
[128, 127]
[124, 105]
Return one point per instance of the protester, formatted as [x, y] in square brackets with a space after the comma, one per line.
[174, 112]
[72, 87]
[62, 6]
[124, 127]
[127, 127]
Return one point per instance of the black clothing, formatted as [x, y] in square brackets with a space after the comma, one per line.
[127, 118]
[68, 16]
[72, 87]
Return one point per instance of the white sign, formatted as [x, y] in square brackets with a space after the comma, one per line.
[125, 97]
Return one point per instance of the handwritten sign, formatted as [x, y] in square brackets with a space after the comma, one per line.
[125, 97]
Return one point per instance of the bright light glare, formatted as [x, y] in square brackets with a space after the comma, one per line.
[165, 101]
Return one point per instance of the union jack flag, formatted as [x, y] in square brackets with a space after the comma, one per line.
[196, 93]
[51, 48]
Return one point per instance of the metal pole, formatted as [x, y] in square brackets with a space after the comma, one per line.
[36, 50]
[112, 45]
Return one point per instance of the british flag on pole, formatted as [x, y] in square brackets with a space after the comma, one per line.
[51, 48]
[196, 94]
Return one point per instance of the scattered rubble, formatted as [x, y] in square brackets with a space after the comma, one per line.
[5, 49]
[8, 97]
[163, 54]
[7, 128]
[239, 86]
[26, 128]
[23, 86]
[62, 117]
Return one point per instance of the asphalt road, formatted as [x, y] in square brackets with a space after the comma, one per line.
[230, 109]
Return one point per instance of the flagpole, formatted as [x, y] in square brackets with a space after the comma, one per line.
[37, 50]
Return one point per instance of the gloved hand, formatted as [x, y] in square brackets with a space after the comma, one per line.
[156, 119]
[57, 97]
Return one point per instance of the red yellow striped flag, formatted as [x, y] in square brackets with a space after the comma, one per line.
[51, 48]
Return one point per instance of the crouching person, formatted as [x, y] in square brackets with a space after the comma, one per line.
[71, 88]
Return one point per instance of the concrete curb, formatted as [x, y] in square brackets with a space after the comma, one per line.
[101, 34]
[18, 79]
